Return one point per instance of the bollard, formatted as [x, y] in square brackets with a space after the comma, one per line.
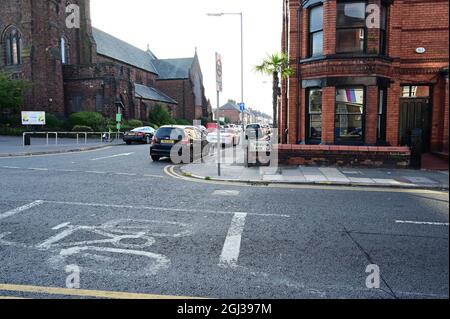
[26, 139]
[416, 148]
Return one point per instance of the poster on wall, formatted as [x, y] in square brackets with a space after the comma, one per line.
[33, 118]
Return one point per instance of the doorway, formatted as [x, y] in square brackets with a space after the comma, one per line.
[415, 112]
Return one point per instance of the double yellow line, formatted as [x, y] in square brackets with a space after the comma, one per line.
[82, 293]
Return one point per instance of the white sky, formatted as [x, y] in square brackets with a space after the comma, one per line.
[174, 28]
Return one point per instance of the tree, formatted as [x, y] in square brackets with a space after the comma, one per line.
[160, 116]
[275, 65]
[11, 92]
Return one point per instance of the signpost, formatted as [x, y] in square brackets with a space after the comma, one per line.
[219, 88]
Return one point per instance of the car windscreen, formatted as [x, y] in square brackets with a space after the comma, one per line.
[139, 129]
[253, 126]
[169, 132]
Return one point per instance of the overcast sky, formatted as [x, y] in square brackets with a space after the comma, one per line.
[174, 28]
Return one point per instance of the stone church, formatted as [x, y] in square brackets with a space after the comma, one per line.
[85, 69]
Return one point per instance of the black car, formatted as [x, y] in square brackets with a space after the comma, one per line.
[140, 134]
[189, 142]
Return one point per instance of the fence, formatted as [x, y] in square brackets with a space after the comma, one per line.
[104, 137]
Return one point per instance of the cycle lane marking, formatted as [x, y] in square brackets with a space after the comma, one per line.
[20, 209]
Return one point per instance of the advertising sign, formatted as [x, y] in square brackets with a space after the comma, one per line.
[33, 118]
[219, 86]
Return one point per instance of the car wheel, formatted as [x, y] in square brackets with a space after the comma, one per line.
[147, 140]
[155, 158]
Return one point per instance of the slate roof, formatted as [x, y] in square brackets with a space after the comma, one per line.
[122, 51]
[169, 69]
[231, 106]
[149, 93]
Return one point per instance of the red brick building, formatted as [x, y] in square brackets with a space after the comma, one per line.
[85, 69]
[366, 73]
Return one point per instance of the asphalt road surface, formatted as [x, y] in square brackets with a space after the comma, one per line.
[130, 228]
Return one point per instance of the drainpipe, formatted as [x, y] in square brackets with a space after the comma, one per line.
[297, 128]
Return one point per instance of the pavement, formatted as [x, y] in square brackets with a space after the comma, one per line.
[233, 169]
[13, 145]
[115, 220]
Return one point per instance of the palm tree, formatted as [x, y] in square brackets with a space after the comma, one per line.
[275, 65]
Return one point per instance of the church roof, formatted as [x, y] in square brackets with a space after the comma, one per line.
[169, 69]
[152, 94]
[230, 106]
[117, 49]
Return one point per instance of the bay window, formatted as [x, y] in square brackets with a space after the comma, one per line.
[349, 117]
[314, 115]
[351, 27]
[316, 31]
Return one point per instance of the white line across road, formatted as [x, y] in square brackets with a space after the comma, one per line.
[231, 248]
[112, 156]
[181, 210]
[21, 209]
[421, 223]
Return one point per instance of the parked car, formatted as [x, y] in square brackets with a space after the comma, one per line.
[255, 131]
[169, 136]
[140, 134]
[228, 137]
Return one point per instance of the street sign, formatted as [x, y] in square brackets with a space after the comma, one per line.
[33, 118]
[118, 126]
[118, 117]
[242, 106]
[219, 86]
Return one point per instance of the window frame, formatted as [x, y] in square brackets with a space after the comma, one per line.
[382, 116]
[12, 39]
[383, 36]
[351, 141]
[312, 33]
[308, 116]
[351, 27]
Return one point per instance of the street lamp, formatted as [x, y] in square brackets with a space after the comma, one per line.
[221, 14]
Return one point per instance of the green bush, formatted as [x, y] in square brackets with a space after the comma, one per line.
[82, 128]
[52, 122]
[134, 123]
[12, 131]
[11, 92]
[160, 116]
[94, 120]
[183, 122]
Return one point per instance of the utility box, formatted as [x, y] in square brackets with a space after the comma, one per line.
[27, 140]
[416, 148]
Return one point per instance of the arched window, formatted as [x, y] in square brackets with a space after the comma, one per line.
[13, 46]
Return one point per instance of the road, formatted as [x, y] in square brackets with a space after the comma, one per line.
[130, 228]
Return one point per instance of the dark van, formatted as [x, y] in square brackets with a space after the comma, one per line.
[190, 142]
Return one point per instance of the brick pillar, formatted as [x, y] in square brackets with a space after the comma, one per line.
[302, 115]
[446, 119]
[393, 114]
[329, 27]
[328, 110]
[371, 115]
[292, 112]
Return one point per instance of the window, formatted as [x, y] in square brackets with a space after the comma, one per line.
[351, 27]
[382, 110]
[316, 31]
[349, 118]
[415, 91]
[314, 115]
[13, 47]
[383, 30]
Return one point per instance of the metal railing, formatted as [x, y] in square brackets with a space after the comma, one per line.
[81, 137]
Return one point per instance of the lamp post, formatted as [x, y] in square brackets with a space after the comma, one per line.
[242, 52]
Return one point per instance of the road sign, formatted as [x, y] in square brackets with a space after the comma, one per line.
[118, 126]
[33, 118]
[242, 106]
[119, 117]
[219, 86]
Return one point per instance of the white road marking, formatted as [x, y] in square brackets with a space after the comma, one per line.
[21, 209]
[37, 169]
[95, 172]
[226, 193]
[421, 223]
[11, 167]
[61, 226]
[232, 245]
[180, 210]
[125, 174]
[112, 156]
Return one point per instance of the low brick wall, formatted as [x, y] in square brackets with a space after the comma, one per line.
[345, 156]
